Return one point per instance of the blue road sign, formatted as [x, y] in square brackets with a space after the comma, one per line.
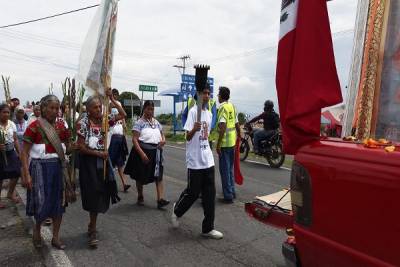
[188, 85]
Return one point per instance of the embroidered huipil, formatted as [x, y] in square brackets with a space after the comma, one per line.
[41, 147]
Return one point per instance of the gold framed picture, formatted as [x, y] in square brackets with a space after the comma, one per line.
[386, 112]
[373, 100]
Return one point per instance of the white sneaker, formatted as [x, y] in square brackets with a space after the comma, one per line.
[214, 234]
[174, 218]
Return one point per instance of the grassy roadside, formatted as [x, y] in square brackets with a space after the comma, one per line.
[178, 138]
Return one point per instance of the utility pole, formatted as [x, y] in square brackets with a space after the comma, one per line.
[183, 67]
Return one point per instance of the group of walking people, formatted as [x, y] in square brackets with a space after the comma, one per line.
[38, 152]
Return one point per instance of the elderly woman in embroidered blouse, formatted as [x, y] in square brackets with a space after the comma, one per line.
[10, 165]
[96, 190]
[44, 176]
[145, 160]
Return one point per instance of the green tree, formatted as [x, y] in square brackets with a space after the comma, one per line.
[128, 96]
[241, 118]
[165, 119]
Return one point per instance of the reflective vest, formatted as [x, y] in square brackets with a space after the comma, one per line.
[228, 112]
[192, 102]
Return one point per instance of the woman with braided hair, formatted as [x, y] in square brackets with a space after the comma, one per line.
[96, 189]
[46, 141]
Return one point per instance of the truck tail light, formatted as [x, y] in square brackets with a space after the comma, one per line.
[300, 183]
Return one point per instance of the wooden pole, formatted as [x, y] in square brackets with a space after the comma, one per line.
[106, 85]
[199, 105]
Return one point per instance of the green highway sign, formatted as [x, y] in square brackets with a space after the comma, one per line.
[148, 88]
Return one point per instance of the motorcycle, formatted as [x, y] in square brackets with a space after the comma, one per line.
[271, 150]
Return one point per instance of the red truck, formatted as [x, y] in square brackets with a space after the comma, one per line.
[344, 206]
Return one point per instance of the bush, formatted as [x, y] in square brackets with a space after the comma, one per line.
[165, 119]
[127, 96]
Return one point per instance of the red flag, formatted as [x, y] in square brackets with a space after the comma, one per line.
[236, 164]
[306, 77]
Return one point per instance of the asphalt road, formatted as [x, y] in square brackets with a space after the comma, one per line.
[142, 236]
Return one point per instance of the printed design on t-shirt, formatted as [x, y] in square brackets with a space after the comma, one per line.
[203, 138]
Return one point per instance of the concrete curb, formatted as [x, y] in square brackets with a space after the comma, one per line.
[52, 257]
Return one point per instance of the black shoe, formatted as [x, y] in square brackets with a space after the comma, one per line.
[225, 201]
[126, 187]
[162, 203]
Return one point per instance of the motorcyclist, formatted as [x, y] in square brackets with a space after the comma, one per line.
[271, 124]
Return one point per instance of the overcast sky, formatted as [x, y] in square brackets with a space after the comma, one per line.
[237, 38]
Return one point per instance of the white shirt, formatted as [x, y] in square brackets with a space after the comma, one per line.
[198, 151]
[150, 131]
[118, 127]
[9, 131]
[38, 151]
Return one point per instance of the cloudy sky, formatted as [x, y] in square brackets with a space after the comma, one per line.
[237, 38]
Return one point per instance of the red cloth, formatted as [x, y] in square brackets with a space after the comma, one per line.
[306, 77]
[34, 134]
[236, 164]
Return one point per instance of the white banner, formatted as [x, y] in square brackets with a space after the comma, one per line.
[96, 58]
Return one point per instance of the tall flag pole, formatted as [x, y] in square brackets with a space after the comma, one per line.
[96, 58]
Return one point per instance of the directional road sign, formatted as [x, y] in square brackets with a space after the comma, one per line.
[148, 88]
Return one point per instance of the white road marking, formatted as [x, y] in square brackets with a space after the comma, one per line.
[59, 257]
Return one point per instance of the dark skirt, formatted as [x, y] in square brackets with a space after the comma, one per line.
[144, 173]
[96, 191]
[45, 198]
[13, 168]
[118, 150]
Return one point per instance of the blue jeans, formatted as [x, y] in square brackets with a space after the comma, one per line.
[259, 135]
[226, 171]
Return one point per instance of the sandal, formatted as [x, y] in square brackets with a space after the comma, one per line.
[126, 188]
[58, 245]
[16, 200]
[93, 241]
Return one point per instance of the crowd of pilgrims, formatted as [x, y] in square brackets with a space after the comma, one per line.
[37, 149]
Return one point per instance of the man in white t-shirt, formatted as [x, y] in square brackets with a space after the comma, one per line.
[201, 173]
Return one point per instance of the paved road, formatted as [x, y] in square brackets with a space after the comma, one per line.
[142, 236]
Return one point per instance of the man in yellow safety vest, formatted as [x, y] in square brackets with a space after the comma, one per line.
[228, 131]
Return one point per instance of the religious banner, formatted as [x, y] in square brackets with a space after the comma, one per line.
[96, 58]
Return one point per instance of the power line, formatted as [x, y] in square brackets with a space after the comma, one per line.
[48, 17]
[51, 42]
[40, 60]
